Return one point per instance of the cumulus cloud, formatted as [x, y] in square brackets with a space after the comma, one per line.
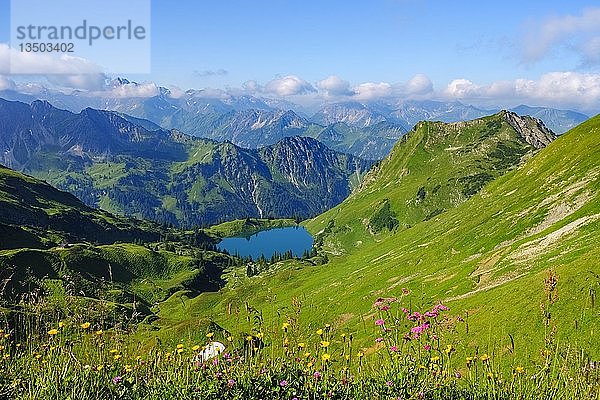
[335, 86]
[132, 89]
[579, 32]
[371, 90]
[252, 86]
[559, 89]
[288, 86]
[420, 84]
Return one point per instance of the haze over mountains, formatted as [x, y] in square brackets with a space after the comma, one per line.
[365, 129]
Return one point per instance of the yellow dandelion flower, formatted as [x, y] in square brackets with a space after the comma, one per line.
[324, 344]
[301, 345]
[113, 351]
[285, 326]
[230, 338]
[138, 358]
[210, 334]
[180, 346]
[196, 348]
[435, 359]
[38, 356]
[179, 351]
[307, 354]
[347, 357]
[128, 368]
[117, 356]
[100, 367]
[320, 332]
[326, 357]
[449, 349]
[309, 365]
[61, 324]
[85, 325]
[360, 354]
[260, 335]
[53, 332]
[520, 370]
[485, 357]
[99, 332]
[249, 338]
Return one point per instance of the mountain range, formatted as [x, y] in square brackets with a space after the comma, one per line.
[137, 169]
[364, 129]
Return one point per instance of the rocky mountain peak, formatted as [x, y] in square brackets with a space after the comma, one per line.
[532, 130]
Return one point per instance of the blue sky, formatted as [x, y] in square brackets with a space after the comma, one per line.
[478, 51]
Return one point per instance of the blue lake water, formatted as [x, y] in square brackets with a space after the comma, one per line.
[278, 240]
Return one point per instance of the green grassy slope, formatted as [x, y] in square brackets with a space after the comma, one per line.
[34, 214]
[434, 168]
[486, 258]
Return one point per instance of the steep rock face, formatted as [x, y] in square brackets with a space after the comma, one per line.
[558, 121]
[532, 130]
[296, 177]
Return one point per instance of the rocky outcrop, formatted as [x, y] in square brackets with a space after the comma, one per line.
[532, 130]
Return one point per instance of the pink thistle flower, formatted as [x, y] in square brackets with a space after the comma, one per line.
[230, 383]
[427, 347]
[394, 349]
[283, 383]
[379, 322]
[385, 308]
[379, 340]
[317, 375]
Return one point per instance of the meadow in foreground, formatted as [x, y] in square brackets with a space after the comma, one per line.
[415, 354]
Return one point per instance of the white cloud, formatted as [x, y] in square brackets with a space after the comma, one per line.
[288, 86]
[7, 84]
[420, 84]
[146, 89]
[251, 86]
[63, 70]
[372, 91]
[556, 89]
[335, 86]
[571, 30]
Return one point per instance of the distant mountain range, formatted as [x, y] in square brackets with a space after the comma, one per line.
[127, 166]
[368, 130]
